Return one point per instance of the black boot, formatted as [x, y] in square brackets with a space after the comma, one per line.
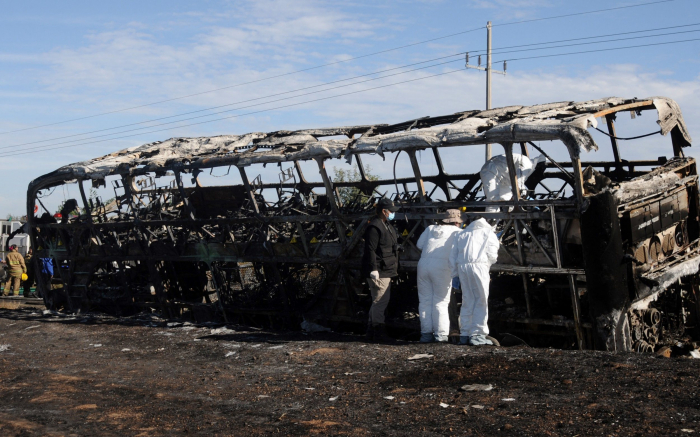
[369, 335]
[380, 335]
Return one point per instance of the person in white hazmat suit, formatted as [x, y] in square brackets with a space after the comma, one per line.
[496, 180]
[473, 253]
[435, 278]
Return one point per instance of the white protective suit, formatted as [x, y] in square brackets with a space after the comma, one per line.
[473, 253]
[435, 280]
[496, 180]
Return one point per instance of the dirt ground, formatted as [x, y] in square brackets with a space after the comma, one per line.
[97, 375]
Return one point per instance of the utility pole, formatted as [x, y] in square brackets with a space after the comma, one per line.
[488, 70]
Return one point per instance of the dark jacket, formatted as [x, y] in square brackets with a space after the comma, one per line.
[381, 249]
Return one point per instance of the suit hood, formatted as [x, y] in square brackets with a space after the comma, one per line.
[479, 224]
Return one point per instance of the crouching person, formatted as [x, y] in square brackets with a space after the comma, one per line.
[380, 263]
[435, 279]
[474, 251]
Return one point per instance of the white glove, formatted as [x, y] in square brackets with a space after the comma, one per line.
[374, 274]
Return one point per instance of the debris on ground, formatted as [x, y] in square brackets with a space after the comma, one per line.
[477, 387]
[313, 327]
[419, 357]
[145, 383]
[223, 330]
[664, 352]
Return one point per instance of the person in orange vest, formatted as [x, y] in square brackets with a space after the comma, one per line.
[15, 263]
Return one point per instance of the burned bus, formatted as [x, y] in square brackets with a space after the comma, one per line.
[263, 228]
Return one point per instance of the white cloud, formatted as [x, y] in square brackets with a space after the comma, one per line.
[256, 36]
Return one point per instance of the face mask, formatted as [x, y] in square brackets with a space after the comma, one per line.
[391, 216]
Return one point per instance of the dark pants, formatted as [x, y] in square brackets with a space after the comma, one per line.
[380, 290]
[27, 285]
[43, 285]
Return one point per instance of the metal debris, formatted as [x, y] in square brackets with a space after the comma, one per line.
[286, 249]
[477, 387]
[223, 330]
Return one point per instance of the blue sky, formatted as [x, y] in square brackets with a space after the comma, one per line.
[67, 60]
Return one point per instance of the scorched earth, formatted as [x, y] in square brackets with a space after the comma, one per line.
[99, 375]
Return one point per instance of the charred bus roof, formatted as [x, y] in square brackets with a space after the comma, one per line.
[565, 121]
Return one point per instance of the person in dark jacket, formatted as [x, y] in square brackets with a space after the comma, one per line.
[27, 285]
[380, 263]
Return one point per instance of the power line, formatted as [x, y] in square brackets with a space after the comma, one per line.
[246, 83]
[248, 113]
[582, 13]
[590, 37]
[336, 62]
[238, 108]
[498, 51]
[239, 102]
[341, 95]
[594, 42]
[600, 50]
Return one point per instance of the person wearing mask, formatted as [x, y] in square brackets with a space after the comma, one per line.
[435, 277]
[474, 251]
[380, 263]
[15, 263]
[495, 178]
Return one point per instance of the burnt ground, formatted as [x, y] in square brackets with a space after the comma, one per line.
[97, 375]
